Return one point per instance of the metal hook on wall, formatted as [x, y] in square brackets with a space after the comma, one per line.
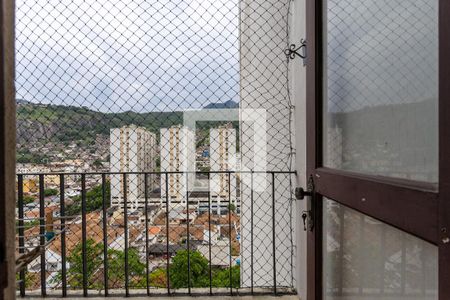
[292, 51]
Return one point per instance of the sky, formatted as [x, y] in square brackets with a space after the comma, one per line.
[120, 55]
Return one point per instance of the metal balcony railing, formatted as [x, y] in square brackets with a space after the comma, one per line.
[134, 233]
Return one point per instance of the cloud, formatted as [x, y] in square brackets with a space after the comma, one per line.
[127, 55]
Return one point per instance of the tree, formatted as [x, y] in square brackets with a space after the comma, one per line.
[50, 192]
[94, 200]
[116, 269]
[221, 277]
[27, 199]
[30, 279]
[199, 267]
[158, 278]
[94, 260]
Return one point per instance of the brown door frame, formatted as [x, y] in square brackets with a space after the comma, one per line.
[419, 208]
[7, 151]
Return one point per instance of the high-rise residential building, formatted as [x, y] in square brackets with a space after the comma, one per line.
[177, 155]
[132, 149]
[222, 145]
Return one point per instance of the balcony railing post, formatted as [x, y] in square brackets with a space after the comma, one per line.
[274, 236]
[188, 235]
[251, 233]
[62, 214]
[341, 250]
[21, 231]
[105, 236]
[42, 234]
[147, 272]
[167, 233]
[125, 223]
[83, 234]
[403, 271]
[382, 254]
[229, 231]
[209, 235]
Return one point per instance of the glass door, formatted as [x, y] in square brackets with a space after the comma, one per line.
[377, 153]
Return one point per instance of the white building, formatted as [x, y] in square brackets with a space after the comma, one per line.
[222, 145]
[132, 149]
[177, 155]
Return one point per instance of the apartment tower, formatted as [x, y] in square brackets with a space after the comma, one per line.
[132, 149]
[177, 155]
[222, 142]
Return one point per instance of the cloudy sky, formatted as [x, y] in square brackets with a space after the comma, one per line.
[119, 55]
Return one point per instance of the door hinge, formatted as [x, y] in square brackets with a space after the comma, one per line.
[307, 215]
[300, 51]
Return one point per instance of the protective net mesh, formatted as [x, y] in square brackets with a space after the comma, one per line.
[154, 146]
[380, 117]
[381, 76]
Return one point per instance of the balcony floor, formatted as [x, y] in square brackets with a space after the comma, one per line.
[289, 297]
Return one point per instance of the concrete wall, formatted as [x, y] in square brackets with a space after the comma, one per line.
[264, 78]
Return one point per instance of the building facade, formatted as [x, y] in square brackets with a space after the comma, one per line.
[132, 149]
[222, 151]
[177, 155]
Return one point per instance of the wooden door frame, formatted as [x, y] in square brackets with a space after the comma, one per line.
[419, 208]
[7, 151]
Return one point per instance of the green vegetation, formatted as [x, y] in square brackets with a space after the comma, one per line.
[94, 200]
[199, 266]
[158, 278]
[27, 224]
[116, 273]
[50, 192]
[221, 277]
[31, 279]
[199, 270]
[39, 125]
[27, 199]
[25, 156]
[116, 267]
[71, 123]
[75, 259]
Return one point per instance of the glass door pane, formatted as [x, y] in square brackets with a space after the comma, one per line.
[381, 87]
[367, 259]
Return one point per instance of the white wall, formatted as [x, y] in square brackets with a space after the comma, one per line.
[298, 88]
[264, 78]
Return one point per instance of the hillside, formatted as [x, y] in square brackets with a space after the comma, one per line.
[37, 123]
[44, 132]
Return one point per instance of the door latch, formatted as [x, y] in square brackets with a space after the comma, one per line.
[300, 193]
[308, 221]
[307, 215]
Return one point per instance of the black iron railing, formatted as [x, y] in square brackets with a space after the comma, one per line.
[181, 239]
